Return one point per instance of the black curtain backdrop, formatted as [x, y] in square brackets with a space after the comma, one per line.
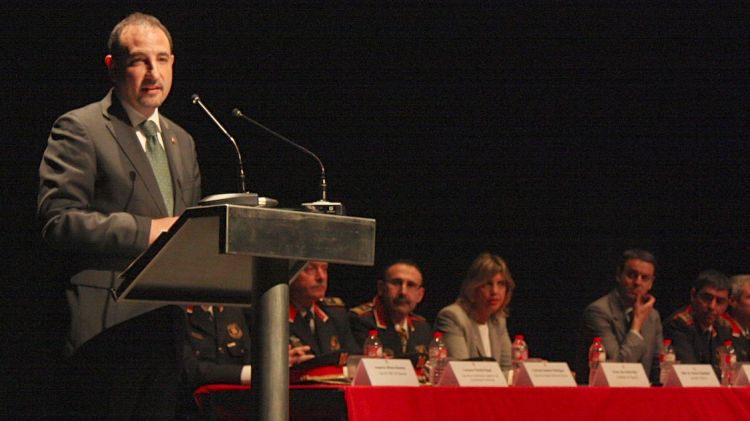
[554, 136]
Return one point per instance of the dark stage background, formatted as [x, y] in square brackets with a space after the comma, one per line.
[553, 136]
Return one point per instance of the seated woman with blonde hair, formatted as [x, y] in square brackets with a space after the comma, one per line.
[474, 326]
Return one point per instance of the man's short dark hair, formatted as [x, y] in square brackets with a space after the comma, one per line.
[711, 278]
[137, 18]
[639, 254]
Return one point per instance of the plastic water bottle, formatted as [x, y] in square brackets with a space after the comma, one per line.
[438, 357]
[667, 358]
[519, 351]
[372, 347]
[597, 355]
[727, 360]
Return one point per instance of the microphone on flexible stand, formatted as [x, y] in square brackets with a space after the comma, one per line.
[322, 205]
[243, 197]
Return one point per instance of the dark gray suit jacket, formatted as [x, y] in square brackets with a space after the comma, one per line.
[606, 318]
[97, 197]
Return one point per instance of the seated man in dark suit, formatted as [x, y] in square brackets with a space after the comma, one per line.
[116, 174]
[315, 320]
[391, 312]
[625, 319]
[698, 329]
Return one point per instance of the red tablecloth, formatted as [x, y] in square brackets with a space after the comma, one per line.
[364, 403]
[580, 403]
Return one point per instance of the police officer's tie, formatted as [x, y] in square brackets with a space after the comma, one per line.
[404, 336]
[310, 319]
[312, 325]
[158, 158]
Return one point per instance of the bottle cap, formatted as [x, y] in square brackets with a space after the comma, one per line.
[373, 332]
[519, 337]
[597, 338]
[667, 342]
[728, 342]
[437, 334]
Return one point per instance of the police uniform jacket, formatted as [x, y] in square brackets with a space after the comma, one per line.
[372, 315]
[740, 340]
[690, 343]
[332, 331]
[217, 347]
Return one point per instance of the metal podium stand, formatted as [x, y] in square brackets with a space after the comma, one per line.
[239, 255]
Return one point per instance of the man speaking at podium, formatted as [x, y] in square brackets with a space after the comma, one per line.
[114, 175]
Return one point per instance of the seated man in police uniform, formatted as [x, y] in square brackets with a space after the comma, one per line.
[391, 312]
[218, 347]
[217, 350]
[315, 320]
[699, 329]
[738, 315]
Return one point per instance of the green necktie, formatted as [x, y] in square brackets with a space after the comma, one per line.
[158, 158]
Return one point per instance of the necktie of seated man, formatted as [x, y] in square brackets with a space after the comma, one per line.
[404, 336]
[310, 319]
[158, 159]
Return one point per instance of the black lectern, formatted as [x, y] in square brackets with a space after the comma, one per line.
[239, 255]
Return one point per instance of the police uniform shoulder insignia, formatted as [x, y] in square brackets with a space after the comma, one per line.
[685, 317]
[361, 310]
[333, 302]
[730, 322]
[234, 330]
[418, 318]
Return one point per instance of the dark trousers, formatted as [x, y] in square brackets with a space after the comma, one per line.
[130, 371]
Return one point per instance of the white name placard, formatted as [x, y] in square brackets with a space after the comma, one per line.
[473, 373]
[742, 376]
[385, 372]
[614, 374]
[692, 375]
[543, 373]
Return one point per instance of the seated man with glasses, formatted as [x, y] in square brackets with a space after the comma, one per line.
[625, 318]
[391, 312]
[698, 329]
